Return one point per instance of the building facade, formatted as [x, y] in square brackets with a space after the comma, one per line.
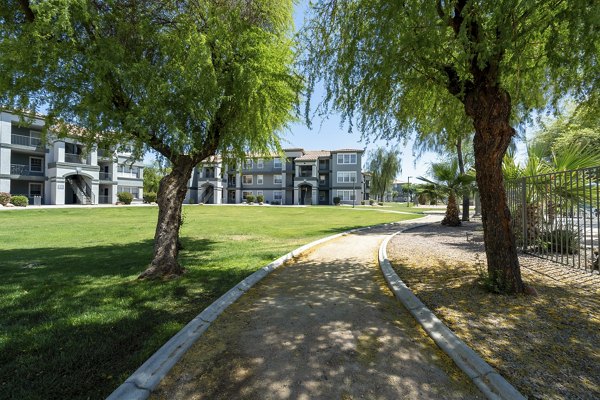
[62, 171]
[300, 178]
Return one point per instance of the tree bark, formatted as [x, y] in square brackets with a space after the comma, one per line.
[171, 194]
[490, 108]
[461, 168]
[451, 218]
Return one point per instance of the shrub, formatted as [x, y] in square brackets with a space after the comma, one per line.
[4, 198]
[20, 201]
[362, 202]
[275, 203]
[381, 203]
[260, 198]
[336, 201]
[249, 199]
[125, 197]
[563, 241]
[371, 202]
[150, 197]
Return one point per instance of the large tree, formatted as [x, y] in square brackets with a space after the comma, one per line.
[384, 165]
[391, 67]
[186, 79]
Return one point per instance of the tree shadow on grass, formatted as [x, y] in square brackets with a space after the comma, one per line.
[76, 321]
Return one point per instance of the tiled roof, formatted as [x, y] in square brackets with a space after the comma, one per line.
[347, 150]
[313, 155]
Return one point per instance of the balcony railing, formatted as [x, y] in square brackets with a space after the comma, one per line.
[128, 175]
[74, 158]
[105, 176]
[103, 199]
[23, 140]
[19, 169]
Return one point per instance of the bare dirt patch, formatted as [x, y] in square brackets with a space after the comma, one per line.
[548, 346]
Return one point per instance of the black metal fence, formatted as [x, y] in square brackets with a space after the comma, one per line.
[556, 216]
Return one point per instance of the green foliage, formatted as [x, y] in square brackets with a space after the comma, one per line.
[371, 202]
[125, 197]
[260, 198]
[19, 201]
[4, 198]
[563, 241]
[384, 165]
[336, 201]
[152, 176]
[362, 202]
[150, 197]
[249, 199]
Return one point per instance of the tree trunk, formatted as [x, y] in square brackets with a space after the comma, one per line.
[171, 193]
[461, 169]
[490, 108]
[451, 218]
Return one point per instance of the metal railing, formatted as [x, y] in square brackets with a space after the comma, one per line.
[24, 170]
[104, 199]
[75, 158]
[105, 176]
[556, 216]
[23, 140]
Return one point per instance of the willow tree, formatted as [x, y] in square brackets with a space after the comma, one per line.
[384, 165]
[186, 79]
[390, 67]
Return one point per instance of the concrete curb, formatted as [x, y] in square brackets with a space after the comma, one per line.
[492, 384]
[141, 383]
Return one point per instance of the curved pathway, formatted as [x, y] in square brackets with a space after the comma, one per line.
[323, 327]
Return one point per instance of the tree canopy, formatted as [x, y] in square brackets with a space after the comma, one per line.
[384, 165]
[186, 79]
[394, 67]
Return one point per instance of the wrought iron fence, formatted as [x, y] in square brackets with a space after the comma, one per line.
[556, 216]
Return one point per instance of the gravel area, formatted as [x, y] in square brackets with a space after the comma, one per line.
[548, 345]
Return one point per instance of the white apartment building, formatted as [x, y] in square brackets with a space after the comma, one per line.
[61, 171]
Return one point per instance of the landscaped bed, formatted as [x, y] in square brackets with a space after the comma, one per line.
[75, 321]
[548, 345]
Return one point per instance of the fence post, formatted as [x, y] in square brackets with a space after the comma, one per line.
[524, 211]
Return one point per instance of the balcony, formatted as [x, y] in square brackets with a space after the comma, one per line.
[103, 199]
[131, 175]
[105, 176]
[75, 158]
[24, 170]
[23, 140]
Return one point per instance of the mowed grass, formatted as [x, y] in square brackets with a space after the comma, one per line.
[75, 321]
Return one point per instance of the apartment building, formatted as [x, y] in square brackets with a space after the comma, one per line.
[62, 171]
[301, 177]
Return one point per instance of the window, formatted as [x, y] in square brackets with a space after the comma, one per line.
[277, 163]
[277, 179]
[277, 195]
[260, 163]
[346, 176]
[346, 195]
[259, 193]
[35, 138]
[246, 194]
[346, 158]
[35, 164]
[322, 196]
[247, 179]
[259, 179]
[35, 189]
[248, 164]
[322, 179]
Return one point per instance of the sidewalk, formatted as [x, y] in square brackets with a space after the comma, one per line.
[324, 327]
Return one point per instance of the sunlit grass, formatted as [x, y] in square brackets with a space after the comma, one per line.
[76, 321]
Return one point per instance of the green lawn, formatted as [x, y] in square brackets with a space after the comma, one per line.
[394, 206]
[75, 322]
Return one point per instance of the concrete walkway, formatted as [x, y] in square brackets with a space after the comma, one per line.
[324, 327]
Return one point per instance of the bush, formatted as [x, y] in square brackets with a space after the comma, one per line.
[561, 241]
[275, 203]
[4, 198]
[371, 202]
[150, 197]
[125, 197]
[260, 198]
[381, 203]
[20, 201]
[336, 201]
[249, 199]
[362, 202]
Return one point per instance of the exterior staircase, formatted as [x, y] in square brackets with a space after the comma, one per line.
[82, 190]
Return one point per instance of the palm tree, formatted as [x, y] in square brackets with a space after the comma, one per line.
[448, 179]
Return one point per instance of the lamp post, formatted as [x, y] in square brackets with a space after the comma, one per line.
[408, 198]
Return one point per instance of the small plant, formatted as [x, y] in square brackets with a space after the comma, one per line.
[484, 278]
[260, 198]
[19, 201]
[371, 202]
[125, 197]
[250, 199]
[150, 197]
[381, 203]
[336, 201]
[362, 202]
[563, 241]
[4, 198]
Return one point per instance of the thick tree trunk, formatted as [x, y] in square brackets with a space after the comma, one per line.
[171, 193]
[451, 218]
[490, 108]
[461, 168]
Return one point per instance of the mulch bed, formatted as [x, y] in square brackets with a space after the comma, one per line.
[548, 345]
